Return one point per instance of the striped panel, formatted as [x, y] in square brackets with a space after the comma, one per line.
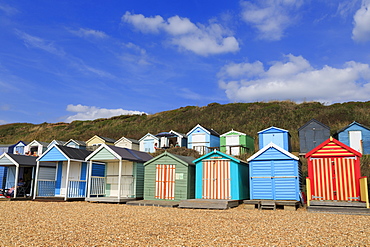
[165, 182]
[216, 179]
[332, 149]
[334, 179]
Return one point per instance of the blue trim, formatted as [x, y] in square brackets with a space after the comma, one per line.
[58, 181]
[83, 171]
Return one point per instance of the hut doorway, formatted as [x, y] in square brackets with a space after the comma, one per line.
[216, 179]
[165, 182]
[355, 140]
[334, 179]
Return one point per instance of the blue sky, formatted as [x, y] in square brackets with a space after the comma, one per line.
[68, 60]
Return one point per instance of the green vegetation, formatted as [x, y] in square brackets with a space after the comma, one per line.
[245, 117]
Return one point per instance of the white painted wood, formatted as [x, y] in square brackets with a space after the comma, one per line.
[119, 179]
[199, 141]
[89, 179]
[16, 180]
[75, 171]
[355, 140]
[68, 168]
[232, 140]
[36, 177]
[64, 179]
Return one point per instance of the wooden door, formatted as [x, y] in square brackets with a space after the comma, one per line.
[334, 179]
[165, 182]
[216, 179]
[232, 145]
[355, 140]
[199, 142]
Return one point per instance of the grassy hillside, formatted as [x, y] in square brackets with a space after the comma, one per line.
[245, 117]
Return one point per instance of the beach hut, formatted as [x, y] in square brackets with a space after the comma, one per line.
[172, 139]
[355, 135]
[125, 142]
[68, 177]
[280, 137]
[203, 139]
[236, 143]
[149, 143]
[334, 173]
[18, 148]
[4, 148]
[96, 141]
[35, 148]
[312, 134]
[221, 176]
[169, 177]
[75, 144]
[19, 167]
[275, 174]
[55, 142]
[123, 178]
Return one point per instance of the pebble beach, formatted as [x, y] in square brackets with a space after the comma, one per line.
[28, 223]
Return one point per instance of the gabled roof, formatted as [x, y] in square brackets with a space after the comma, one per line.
[353, 123]
[5, 145]
[56, 142]
[332, 147]
[134, 141]
[233, 131]
[316, 121]
[74, 153]
[272, 145]
[105, 139]
[178, 133]
[18, 159]
[38, 143]
[209, 131]
[148, 134]
[123, 153]
[24, 143]
[68, 152]
[186, 160]
[221, 154]
[79, 143]
[273, 127]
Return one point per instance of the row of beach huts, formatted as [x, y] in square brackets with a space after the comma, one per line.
[123, 171]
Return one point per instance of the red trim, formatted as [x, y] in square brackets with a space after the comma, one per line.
[326, 145]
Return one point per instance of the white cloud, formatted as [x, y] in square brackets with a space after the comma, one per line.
[295, 79]
[3, 122]
[361, 20]
[270, 17]
[88, 33]
[8, 10]
[201, 39]
[33, 41]
[92, 112]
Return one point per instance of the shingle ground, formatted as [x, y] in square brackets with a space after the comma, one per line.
[27, 223]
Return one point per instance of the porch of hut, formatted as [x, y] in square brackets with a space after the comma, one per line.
[123, 179]
[52, 182]
[18, 167]
[65, 177]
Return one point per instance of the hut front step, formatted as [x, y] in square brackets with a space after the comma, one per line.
[267, 205]
[209, 204]
[154, 203]
[286, 204]
[339, 207]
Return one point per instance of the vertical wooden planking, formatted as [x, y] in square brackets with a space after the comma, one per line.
[216, 179]
[165, 182]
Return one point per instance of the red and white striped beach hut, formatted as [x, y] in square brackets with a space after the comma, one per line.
[334, 173]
